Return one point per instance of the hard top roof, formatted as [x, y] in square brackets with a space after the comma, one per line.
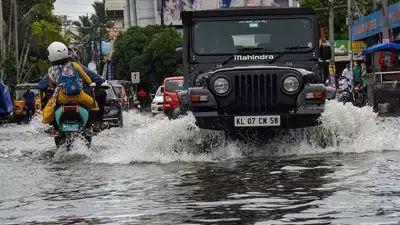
[246, 11]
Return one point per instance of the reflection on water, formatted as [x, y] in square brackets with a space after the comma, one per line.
[151, 172]
[230, 192]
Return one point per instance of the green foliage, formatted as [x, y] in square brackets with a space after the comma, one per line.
[45, 33]
[149, 50]
[340, 14]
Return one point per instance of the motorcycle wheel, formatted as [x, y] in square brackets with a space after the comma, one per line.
[63, 140]
[88, 141]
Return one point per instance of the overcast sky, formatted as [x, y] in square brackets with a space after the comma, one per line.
[73, 8]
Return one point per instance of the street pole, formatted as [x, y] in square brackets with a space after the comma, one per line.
[162, 12]
[374, 4]
[2, 41]
[16, 35]
[128, 6]
[385, 22]
[350, 19]
[332, 68]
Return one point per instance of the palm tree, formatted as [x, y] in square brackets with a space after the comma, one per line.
[91, 29]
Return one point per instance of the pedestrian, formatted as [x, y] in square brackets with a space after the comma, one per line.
[29, 99]
[357, 74]
[364, 78]
[347, 73]
[142, 98]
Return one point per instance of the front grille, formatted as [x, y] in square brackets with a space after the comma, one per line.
[255, 93]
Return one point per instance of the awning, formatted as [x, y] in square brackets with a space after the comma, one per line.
[380, 47]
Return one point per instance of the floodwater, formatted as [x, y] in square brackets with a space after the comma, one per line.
[156, 171]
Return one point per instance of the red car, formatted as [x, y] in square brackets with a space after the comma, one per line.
[171, 86]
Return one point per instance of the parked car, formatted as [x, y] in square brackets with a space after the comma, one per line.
[171, 86]
[158, 101]
[113, 108]
[121, 95]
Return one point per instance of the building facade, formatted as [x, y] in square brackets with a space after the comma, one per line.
[146, 12]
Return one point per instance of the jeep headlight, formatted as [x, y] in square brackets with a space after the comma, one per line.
[221, 85]
[291, 84]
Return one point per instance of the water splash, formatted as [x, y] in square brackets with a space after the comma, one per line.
[144, 138]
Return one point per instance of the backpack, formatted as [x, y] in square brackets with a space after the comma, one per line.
[70, 83]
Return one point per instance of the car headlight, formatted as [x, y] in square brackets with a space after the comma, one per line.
[168, 99]
[291, 84]
[221, 85]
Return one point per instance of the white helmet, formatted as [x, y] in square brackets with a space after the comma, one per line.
[57, 51]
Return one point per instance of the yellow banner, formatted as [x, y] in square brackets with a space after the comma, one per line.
[357, 46]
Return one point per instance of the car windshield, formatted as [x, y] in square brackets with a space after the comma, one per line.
[174, 85]
[110, 93]
[20, 92]
[117, 89]
[270, 35]
[159, 93]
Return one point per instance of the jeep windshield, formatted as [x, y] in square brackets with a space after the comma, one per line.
[267, 36]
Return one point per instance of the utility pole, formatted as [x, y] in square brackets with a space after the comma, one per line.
[385, 22]
[374, 4]
[2, 41]
[134, 13]
[350, 21]
[162, 12]
[332, 68]
[332, 32]
[128, 14]
[16, 35]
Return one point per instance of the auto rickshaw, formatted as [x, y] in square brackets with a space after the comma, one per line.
[19, 111]
[383, 86]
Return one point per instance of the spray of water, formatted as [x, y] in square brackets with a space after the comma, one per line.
[144, 138]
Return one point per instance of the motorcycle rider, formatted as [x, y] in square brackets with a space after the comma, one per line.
[68, 80]
[44, 85]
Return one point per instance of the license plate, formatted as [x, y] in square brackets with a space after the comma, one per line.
[70, 127]
[257, 121]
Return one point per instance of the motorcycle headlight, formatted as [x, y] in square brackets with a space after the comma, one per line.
[291, 84]
[221, 85]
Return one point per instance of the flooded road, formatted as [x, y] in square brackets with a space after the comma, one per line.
[156, 171]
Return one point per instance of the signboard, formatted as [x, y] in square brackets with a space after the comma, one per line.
[342, 47]
[135, 77]
[173, 8]
[358, 46]
[372, 24]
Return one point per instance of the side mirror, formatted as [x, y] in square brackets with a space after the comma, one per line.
[162, 89]
[178, 55]
[325, 52]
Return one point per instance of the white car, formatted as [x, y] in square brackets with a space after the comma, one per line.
[158, 101]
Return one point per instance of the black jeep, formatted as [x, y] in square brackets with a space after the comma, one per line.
[253, 67]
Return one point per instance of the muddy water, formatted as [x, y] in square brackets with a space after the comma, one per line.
[154, 171]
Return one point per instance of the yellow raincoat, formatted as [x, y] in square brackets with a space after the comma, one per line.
[61, 97]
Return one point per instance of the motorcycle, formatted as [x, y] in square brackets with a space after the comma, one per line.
[345, 96]
[360, 97]
[71, 121]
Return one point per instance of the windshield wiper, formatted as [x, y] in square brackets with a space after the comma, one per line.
[286, 50]
[240, 50]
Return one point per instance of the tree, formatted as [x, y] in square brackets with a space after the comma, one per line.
[341, 29]
[92, 29]
[151, 52]
[36, 26]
